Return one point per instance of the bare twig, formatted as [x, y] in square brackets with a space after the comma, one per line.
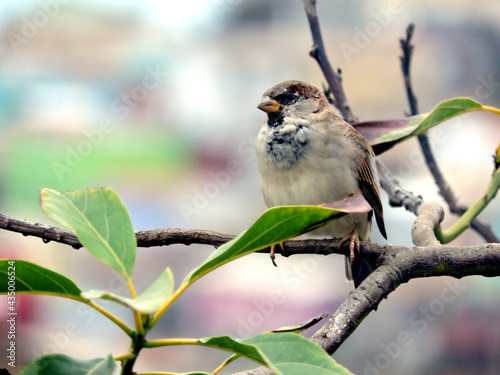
[398, 196]
[445, 190]
[45, 232]
[319, 53]
[170, 236]
[407, 49]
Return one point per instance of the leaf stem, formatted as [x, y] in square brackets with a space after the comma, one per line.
[171, 342]
[137, 316]
[123, 357]
[491, 109]
[233, 358]
[463, 223]
[167, 304]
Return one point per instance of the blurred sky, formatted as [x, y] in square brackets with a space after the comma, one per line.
[157, 99]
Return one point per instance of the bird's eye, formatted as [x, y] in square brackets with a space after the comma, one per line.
[287, 98]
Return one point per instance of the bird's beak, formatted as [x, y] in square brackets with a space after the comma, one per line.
[269, 105]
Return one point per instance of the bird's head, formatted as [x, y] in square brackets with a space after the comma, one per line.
[293, 99]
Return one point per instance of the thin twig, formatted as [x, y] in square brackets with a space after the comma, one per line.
[318, 51]
[407, 49]
[398, 196]
[445, 190]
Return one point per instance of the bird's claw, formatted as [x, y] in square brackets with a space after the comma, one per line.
[353, 243]
[272, 253]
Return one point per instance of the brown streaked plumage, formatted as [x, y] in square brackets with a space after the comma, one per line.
[307, 154]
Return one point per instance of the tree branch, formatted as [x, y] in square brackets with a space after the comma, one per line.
[171, 236]
[318, 52]
[45, 232]
[429, 217]
[444, 188]
[148, 238]
[395, 264]
[398, 266]
[398, 196]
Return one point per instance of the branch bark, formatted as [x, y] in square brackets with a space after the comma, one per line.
[172, 236]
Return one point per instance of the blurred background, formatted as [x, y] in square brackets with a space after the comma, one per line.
[158, 100]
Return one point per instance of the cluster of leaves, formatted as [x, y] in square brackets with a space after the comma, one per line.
[102, 224]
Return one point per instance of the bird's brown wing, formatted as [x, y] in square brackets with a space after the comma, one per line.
[365, 165]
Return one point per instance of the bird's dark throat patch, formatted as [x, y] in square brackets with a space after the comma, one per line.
[286, 148]
[275, 119]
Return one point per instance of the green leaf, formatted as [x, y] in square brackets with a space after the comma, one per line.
[285, 353]
[59, 364]
[156, 295]
[447, 110]
[148, 302]
[30, 278]
[99, 219]
[382, 135]
[276, 225]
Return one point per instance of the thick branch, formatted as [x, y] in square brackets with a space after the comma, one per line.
[318, 52]
[445, 190]
[429, 217]
[398, 267]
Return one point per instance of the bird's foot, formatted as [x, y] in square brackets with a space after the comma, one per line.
[353, 239]
[272, 256]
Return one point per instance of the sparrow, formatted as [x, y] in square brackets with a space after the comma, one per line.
[308, 155]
